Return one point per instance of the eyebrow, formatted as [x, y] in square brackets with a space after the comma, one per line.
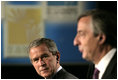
[79, 31]
[41, 56]
[44, 55]
[33, 59]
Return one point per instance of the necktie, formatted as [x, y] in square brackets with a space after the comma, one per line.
[96, 73]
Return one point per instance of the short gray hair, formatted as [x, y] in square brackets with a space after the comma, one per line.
[48, 42]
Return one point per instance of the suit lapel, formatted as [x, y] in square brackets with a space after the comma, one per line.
[111, 70]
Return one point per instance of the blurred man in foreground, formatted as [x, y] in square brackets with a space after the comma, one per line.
[96, 39]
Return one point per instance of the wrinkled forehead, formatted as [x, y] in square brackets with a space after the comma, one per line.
[85, 19]
[38, 51]
[41, 47]
[85, 22]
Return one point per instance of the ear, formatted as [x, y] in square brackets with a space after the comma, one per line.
[102, 39]
[58, 56]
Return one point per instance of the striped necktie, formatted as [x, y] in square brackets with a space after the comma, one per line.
[96, 74]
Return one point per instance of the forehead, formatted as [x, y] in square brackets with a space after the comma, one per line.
[85, 23]
[39, 50]
[41, 47]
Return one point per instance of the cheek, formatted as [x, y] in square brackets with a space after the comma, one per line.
[87, 46]
[52, 65]
[90, 47]
[36, 67]
[89, 42]
[51, 62]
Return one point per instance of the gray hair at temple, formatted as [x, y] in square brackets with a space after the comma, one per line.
[104, 22]
[48, 42]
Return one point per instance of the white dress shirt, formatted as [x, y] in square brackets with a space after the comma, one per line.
[102, 65]
[59, 68]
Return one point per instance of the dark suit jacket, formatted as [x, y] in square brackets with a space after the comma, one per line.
[111, 70]
[63, 74]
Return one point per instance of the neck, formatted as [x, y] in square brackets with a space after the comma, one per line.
[103, 51]
[58, 65]
[51, 76]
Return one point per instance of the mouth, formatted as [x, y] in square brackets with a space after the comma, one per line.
[80, 49]
[43, 70]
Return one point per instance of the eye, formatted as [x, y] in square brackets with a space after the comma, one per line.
[81, 34]
[45, 56]
[35, 60]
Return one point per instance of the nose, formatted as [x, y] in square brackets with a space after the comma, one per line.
[41, 62]
[76, 41]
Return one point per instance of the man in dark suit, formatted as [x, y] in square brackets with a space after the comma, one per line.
[45, 58]
[96, 38]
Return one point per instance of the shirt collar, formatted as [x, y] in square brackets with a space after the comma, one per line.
[59, 68]
[102, 65]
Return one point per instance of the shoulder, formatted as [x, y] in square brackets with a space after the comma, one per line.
[111, 70]
[63, 74]
[68, 75]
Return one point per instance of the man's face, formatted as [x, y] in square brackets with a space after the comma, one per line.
[43, 61]
[85, 40]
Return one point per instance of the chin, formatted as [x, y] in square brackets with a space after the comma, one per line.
[85, 57]
[46, 75]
